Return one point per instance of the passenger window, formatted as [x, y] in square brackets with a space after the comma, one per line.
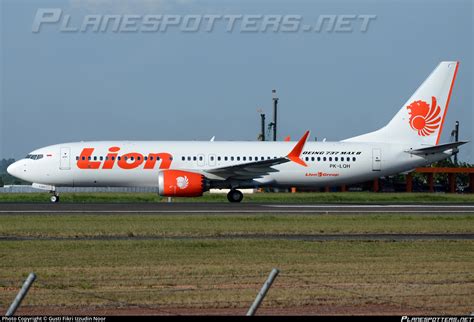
[146, 158]
[218, 158]
[262, 158]
[330, 158]
[189, 158]
[95, 158]
[312, 158]
[225, 158]
[231, 158]
[324, 158]
[77, 158]
[244, 158]
[139, 158]
[353, 159]
[194, 159]
[212, 158]
[336, 159]
[238, 158]
[200, 158]
[101, 158]
[319, 158]
[306, 158]
[250, 158]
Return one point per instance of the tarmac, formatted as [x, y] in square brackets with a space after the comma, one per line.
[228, 208]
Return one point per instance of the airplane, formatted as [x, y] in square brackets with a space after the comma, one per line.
[188, 169]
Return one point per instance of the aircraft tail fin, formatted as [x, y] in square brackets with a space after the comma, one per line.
[421, 118]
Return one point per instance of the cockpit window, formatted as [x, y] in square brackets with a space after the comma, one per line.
[34, 156]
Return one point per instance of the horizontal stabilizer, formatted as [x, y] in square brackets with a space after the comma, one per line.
[437, 148]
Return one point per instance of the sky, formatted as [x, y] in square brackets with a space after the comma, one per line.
[173, 85]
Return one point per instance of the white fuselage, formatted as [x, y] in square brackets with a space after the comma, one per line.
[187, 169]
[328, 163]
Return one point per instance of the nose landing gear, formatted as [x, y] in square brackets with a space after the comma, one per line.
[235, 195]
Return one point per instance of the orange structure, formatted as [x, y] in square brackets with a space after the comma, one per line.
[451, 172]
[451, 177]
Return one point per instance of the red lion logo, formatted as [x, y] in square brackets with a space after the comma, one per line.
[423, 117]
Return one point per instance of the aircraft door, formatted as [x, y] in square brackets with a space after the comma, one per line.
[212, 160]
[65, 158]
[376, 160]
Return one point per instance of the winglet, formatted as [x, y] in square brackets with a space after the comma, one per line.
[294, 155]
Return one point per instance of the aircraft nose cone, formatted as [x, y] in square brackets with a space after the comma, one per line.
[14, 169]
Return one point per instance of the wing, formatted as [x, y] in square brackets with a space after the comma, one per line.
[246, 171]
[258, 169]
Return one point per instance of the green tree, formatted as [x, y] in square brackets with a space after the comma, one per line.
[7, 179]
[4, 163]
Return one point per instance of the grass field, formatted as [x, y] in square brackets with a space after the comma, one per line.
[160, 276]
[78, 226]
[310, 197]
[429, 277]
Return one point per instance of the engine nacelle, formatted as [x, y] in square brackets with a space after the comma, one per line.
[177, 183]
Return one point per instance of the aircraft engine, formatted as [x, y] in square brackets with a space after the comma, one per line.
[177, 183]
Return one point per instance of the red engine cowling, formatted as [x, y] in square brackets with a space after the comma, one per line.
[177, 183]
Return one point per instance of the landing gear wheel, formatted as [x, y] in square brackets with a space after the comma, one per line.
[235, 196]
[54, 198]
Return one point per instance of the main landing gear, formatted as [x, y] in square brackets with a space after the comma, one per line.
[235, 195]
[54, 197]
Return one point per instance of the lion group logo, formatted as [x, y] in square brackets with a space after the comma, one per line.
[424, 118]
[182, 182]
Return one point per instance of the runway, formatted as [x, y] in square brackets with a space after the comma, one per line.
[227, 208]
